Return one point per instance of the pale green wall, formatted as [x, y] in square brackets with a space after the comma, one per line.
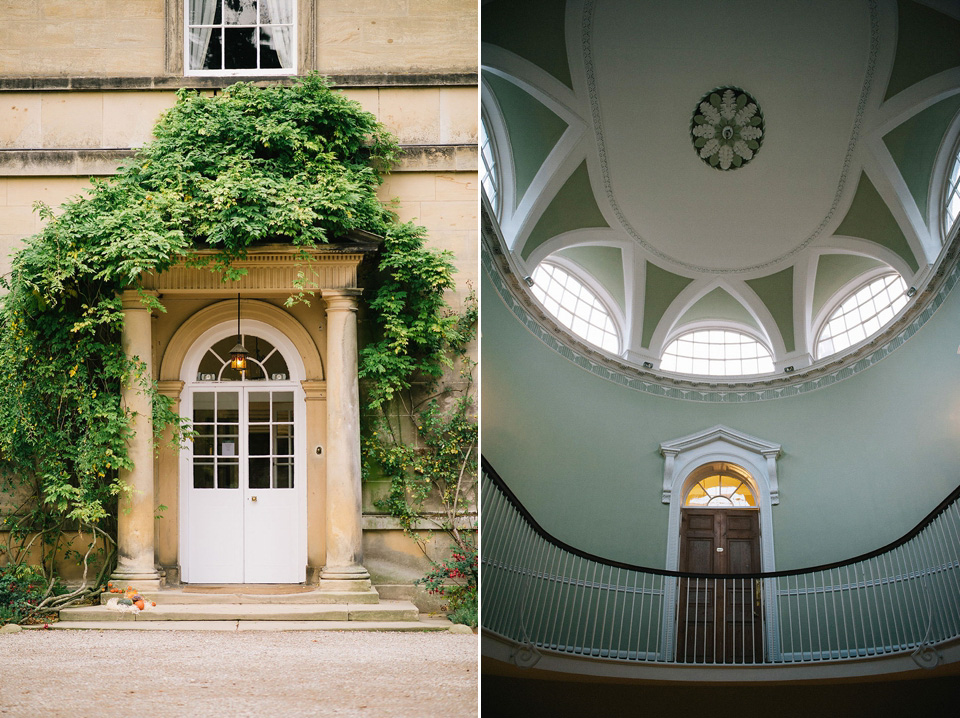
[863, 461]
[718, 304]
[914, 146]
[533, 129]
[605, 264]
[835, 270]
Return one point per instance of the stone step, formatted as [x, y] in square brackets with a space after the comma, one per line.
[423, 625]
[193, 596]
[384, 611]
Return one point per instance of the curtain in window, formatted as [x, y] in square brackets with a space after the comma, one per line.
[202, 12]
[280, 12]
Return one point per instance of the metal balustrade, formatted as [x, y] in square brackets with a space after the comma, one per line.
[548, 596]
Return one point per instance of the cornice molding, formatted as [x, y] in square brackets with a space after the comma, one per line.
[518, 300]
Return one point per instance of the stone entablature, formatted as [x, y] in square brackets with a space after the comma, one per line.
[272, 270]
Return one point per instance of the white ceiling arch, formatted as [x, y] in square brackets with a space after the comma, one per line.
[819, 73]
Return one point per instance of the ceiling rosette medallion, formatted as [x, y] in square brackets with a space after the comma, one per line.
[727, 128]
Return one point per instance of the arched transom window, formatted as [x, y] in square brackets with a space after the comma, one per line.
[721, 487]
[576, 306]
[862, 314]
[716, 352]
[265, 362]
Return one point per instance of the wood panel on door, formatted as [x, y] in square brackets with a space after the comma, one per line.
[719, 620]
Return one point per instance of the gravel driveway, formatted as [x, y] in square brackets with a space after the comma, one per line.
[184, 673]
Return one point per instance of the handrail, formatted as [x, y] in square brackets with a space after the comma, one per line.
[512, 498]
[546, 595]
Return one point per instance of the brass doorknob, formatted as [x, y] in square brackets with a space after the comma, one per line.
[253, 498]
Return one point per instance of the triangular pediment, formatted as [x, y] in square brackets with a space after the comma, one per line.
[720, 433]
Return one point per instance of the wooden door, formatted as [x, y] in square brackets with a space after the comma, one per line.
[719, 620]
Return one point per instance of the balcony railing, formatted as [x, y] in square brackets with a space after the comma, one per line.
[548, 596]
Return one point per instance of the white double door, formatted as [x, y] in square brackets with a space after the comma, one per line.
[244, 495]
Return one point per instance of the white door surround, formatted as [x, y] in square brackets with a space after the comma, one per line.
[682, 458]
[235, 525]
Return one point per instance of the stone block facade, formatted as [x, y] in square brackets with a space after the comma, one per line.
[82, 84]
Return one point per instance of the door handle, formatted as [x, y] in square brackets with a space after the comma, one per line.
[253, 498]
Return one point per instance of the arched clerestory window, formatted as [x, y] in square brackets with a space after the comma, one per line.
[861, 313]
[576, 306]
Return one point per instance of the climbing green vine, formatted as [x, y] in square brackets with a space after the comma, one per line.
[299, 164]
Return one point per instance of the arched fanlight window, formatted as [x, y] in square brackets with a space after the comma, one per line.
[951, 202]
[863, 313]
[575, 305]
[489, 179]
[263, 362]
[722, 487]
[716, 352]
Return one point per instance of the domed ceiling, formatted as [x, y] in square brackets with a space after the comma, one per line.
[620, 154]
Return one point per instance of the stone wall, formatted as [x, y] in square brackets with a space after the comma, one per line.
[82, 84]
[142, 38]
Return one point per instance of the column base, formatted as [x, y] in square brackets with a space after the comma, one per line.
[141, 584]
[144, 580]
[352, 586]
[345, 578]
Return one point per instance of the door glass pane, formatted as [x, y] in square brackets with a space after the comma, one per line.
[283, 473]
[259, 406]
[283, 440]
[228, 475]
[203, 407]
[283, 406]
[228, 407]
[203, 445]
[259, 438]
[228, 445]
[202, 475]
[259, 473]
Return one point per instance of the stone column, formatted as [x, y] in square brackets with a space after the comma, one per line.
[166, 529]
[135, 530]
[343, 569]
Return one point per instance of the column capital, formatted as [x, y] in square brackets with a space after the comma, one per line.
[341, 299]
[131, 298]
[170, 387]
[314, 389]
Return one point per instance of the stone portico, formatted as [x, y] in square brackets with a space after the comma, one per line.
[324, 337]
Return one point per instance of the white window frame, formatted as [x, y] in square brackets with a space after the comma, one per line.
[947, 157]
[495, 172]
[842, 295]
[602, 295]
[682, 458]
[242, 72]
[708, 324]
[500, 143]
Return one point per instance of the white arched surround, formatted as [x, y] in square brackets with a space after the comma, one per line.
[603, 295]
[682, 458]
[297, 373]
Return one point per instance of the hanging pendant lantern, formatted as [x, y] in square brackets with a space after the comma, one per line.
[238, 355]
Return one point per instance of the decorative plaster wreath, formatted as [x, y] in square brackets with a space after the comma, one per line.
[727, 128]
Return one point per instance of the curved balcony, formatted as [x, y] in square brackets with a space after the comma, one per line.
[542, 598]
